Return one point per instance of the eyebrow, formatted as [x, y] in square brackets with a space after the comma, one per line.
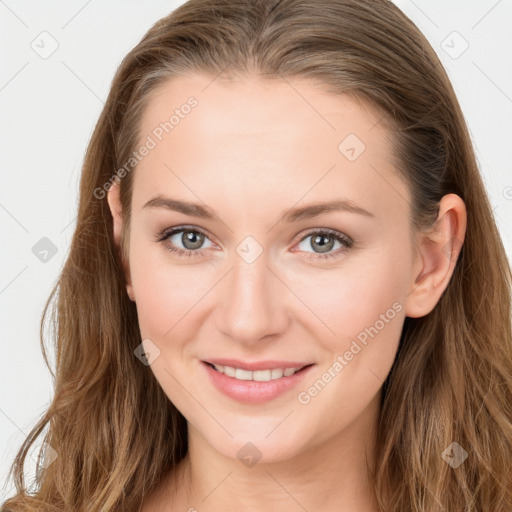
[292, 215]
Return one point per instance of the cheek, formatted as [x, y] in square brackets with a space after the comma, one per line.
[165, 291]
[362, 305]
[365, 310]
[351, 298]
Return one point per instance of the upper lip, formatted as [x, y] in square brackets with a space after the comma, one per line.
[257, 365]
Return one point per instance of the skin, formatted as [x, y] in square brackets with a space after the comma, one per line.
[250, 150]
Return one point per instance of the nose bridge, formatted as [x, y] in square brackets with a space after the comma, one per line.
[252, 304]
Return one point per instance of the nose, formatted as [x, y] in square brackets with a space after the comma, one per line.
[253, 302]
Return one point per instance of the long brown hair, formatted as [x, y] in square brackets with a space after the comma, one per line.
[452, 377]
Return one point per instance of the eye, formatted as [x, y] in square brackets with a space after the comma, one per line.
[191, 239]
[324, 241]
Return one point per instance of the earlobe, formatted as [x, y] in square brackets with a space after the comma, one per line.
[437, 252]
[114, 203]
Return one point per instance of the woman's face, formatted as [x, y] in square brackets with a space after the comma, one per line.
[266, 277]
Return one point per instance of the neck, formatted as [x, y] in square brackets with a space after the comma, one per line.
[331, 476]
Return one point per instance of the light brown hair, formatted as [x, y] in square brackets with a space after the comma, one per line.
[452, 377]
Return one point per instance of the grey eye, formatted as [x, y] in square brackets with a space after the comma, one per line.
[189, 238]
[321, 242]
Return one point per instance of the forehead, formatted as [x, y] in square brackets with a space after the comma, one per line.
[255, 137]
[253, 105]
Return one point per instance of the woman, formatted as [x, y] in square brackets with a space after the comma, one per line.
[286, 287]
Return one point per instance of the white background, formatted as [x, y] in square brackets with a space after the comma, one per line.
[49, 107]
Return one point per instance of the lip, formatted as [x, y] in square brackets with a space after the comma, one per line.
[257, 365]
[254, 392]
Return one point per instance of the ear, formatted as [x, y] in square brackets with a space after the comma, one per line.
[437, 251]
[114, 203]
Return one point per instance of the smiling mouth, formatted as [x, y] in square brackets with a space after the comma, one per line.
[257, 375]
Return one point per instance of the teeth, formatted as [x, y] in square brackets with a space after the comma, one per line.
[243, 374]
[228, 370]
[257, 375]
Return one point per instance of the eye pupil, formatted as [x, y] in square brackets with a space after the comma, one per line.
[320, 241]
[189, 237]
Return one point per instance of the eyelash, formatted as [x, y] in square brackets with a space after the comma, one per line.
[164, 235]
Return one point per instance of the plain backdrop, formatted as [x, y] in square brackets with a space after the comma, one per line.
[57, 63]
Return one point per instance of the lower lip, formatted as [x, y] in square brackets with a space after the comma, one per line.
[250, 391]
